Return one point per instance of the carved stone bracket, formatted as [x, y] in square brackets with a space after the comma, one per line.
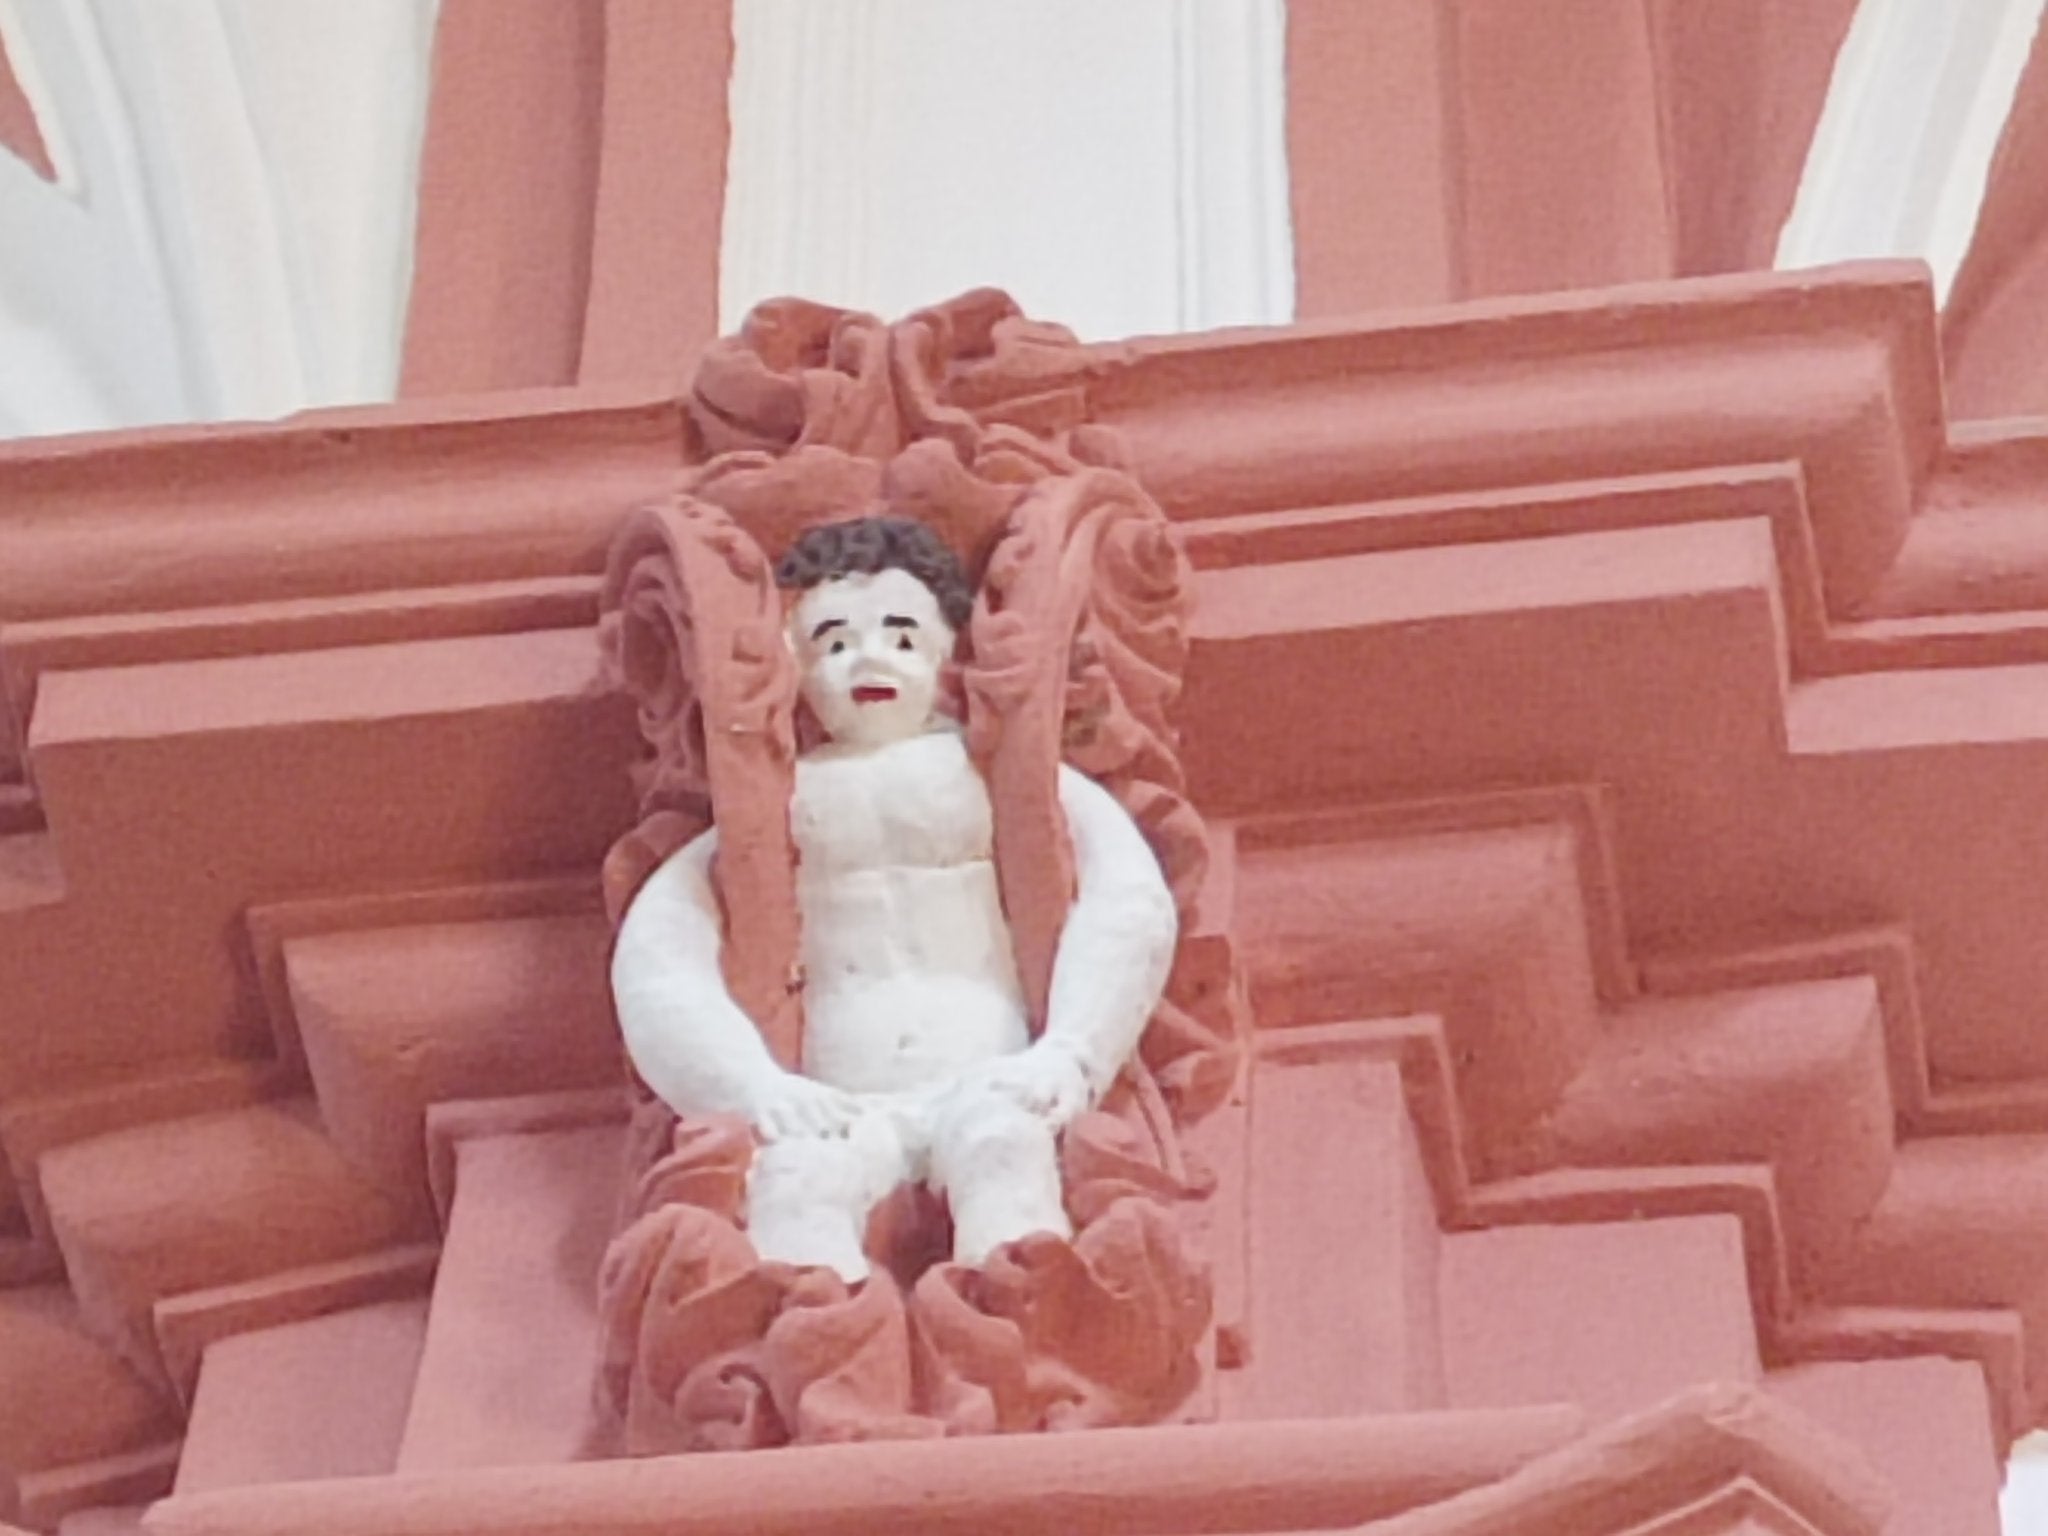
[1074, 652]
[693, 628]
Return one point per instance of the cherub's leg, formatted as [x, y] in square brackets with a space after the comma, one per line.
[998, 1166]
[808, 1197]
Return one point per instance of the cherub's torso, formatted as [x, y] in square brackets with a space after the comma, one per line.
[909, 975]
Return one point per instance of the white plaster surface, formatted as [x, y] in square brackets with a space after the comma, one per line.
[2025, 1503]
[1920, 93]
[231, 231]
[1120, 168]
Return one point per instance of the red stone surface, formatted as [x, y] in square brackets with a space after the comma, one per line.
[2002, 286]
[1923, 1423]
[512, 1346]
[1617, 721]
[1455, 149]
[1741, 90]
[507, 197]
[572, 185]
[1332, 1152]
[1613, 1316]
[323, 1398]
[660, 190]
[1372, 161]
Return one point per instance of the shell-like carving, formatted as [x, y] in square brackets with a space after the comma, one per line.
[968, 416]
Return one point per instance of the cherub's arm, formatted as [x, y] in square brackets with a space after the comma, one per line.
[1118, 942]
[691, 1043]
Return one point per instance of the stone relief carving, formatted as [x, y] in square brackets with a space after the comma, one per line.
[1008, 1020]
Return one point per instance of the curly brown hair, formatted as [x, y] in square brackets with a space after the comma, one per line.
[865, 545]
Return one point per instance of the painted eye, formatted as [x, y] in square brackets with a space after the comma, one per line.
[903, 643]
[838, 646]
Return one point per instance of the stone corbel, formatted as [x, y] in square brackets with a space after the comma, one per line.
[1074, 654]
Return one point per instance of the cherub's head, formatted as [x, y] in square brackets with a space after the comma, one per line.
[881, 601]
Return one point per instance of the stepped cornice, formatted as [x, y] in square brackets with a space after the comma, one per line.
[1694, 581]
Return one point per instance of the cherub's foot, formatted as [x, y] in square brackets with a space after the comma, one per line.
[984, 1226]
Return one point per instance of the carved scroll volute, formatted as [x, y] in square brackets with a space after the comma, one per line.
[804, 375]
[1015, 686]
[798, 374]
[692, 627]
[1079, 640]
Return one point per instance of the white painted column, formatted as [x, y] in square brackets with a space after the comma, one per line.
[1920, 93]
[1118, 167]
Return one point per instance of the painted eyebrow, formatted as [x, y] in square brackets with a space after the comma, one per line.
[898, 621]
[820, 629]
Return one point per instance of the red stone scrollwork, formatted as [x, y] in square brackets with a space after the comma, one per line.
[706, 1347]
[693, 629]
[1079, 640]
[1072, 1335]
[1074, 653]
[802, 375]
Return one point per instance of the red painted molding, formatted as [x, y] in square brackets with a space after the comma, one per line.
[660, 190]
[1719, 1454]
[1562, 182]
[187, 1325]
[508, 196]
[1275, 1476]
[505, 486]
[1991, 328]
[572, 188]
[535, 484]
[1741, 87]
[1448, 149]
[1632, 546]
[1371, 155]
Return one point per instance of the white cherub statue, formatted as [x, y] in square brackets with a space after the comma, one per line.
[918, 1061]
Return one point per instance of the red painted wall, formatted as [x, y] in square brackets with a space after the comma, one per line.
[570, 193]
[1449, 149]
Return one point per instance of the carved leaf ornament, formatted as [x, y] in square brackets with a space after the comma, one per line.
[1074, 652]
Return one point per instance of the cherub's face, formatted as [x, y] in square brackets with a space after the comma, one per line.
[871, 647]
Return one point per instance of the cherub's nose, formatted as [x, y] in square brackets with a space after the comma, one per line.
[868, 659]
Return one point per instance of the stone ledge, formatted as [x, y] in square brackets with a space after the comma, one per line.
[1279, 1476]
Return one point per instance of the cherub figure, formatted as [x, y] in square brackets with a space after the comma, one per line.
[918, 1062]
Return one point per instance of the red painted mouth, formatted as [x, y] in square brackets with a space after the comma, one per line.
[873, 693]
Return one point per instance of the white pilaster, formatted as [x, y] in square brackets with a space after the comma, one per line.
[1119, 167]
[1920, 93]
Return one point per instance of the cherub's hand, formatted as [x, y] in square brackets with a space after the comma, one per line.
[789, 1105]
[1047, 1079]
